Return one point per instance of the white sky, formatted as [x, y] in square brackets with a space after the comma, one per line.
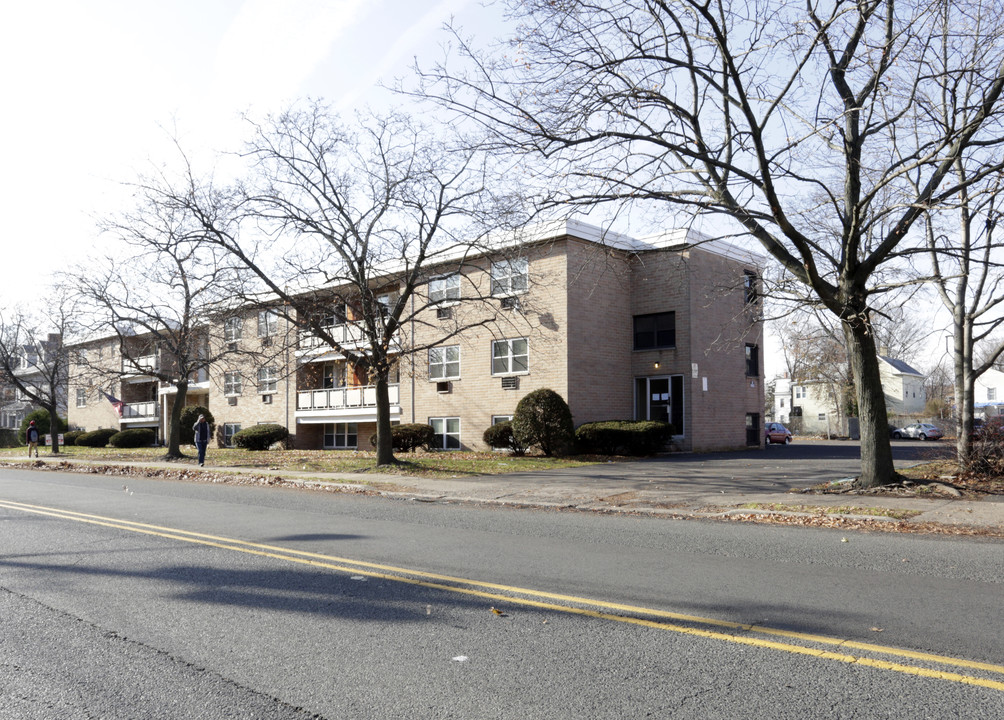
[92, 92]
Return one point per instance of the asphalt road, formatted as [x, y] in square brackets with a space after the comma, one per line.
[153, 599]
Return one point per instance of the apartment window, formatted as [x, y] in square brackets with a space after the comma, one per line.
[991, 394]
[229, 430]
[335, 316]
[81, 397]
[333, 375]
[510, 357]
[752, 360]
[509, 276]
[232, 384]
[782, 403]
[657, 330]
[340, 435]
[232, 329]
[444, 363]
[445, 288]
[268, 323]
[496, 419]
[447, 431]
[799, 392]
[267, 379]
[749, 287]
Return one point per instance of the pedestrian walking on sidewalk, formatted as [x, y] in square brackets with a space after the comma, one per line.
[201, 429]
[32, 437]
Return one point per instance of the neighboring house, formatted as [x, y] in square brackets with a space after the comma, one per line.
[622, 328]
[812, 405]
[903, 386]
[31, 371]
[988, 393]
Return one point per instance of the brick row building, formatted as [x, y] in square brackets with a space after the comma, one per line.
[667, 327]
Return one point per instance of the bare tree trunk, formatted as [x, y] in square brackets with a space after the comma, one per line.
[174, 429]
[965, 387]
[385, 445]
[876, 450]
[54, 428]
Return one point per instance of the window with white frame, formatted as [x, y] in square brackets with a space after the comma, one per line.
[510, 357]
[232, 329]
[333, 375]
[445, 288]
[81, 397]
[229, 430]
[509, 277]
[496, 419]
[335, 316]
[232, 384]
[799, 392]
[447, 431]
[340, 435]
[991, 394]
[268, 323]
[444, 363]
[267, 379]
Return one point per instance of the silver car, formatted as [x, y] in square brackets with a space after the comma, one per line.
[918, 431]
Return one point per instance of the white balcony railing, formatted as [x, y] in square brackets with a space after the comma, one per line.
[363, 396]
[133, 411]
[138, 365]
[342, 334]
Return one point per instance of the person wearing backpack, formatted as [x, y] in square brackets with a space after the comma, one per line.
[201, 429]
[31, 435]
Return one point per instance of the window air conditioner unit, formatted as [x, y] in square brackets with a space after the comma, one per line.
[232, 346]
[266, 399]
[509, 303]
[232, 400]
[444, 313]
[510, 383]
[444, 386]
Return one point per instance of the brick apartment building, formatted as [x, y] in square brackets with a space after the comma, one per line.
[661, 328]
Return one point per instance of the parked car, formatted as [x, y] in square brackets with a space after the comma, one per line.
[990, 429]
[918, 431]
[777, 433]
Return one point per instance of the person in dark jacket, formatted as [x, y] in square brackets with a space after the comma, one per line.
[201, 429]
[31, 435]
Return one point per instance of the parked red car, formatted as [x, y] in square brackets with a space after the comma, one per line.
[777, 433]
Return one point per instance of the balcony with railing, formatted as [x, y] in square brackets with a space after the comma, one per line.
[140, 411]
[142, 366]
[344, 404]
[348, 336]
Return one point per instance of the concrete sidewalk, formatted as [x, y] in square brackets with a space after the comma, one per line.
[643, 487]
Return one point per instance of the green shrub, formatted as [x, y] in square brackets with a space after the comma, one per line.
[96, 438]
[623, 437]
[8, 438]
[500, 435]
[190, 416]
[544, 419]
[409, 437]
[70, 438]
[41, 418]
[259, 437]
[133, 438]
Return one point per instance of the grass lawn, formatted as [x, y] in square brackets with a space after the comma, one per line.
[429, 464]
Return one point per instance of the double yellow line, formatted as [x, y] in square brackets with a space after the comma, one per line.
[869, 654]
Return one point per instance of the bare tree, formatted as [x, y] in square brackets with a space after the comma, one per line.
[351, 221]
[159, 295]
[807, 125]
[32, 355]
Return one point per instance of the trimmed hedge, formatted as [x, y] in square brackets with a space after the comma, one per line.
[8, 438]
[544, 419]
[409, 437]
[623, 437]
[500, 436]
[259, 437]
[70, 438]
[132, 438]
[96, 438]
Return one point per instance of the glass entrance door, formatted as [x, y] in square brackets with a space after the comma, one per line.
[660, 399]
